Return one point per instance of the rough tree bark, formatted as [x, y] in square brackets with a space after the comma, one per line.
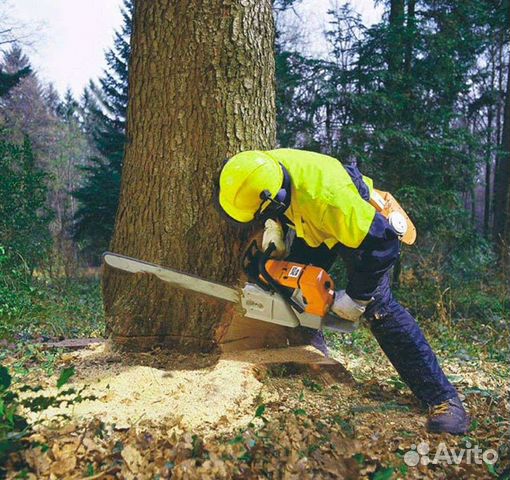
[201, 89]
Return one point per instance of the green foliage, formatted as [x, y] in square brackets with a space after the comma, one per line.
[390, 99]
[24, 219]
[25, 109]
[29, 304]
[383, 474]
[311, 385]
[459, 298]
[12, 303]
[30, 308]
[409, 129]
[260, 410]
[24, 229]
[65, 375]
[34, 110]
[98, 199]
[13, 427]
[298, 79]
[397, 99]
[10, 80]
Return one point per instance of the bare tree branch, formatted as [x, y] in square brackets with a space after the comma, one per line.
[14, 30]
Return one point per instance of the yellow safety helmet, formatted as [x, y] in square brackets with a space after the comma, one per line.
[242, 181]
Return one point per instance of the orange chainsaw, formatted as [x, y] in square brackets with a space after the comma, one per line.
[286, 293]
[308, 290]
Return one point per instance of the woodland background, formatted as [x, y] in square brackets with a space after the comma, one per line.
[420, 101]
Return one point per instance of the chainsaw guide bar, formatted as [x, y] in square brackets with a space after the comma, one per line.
[258, 303]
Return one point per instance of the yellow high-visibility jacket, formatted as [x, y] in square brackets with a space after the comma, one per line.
[325, 204]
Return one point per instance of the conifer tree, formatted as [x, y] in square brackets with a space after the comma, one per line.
[34, 110]
[24, 217]
[10, 80]
[381, 106]
[24, 109]
[299, 85]
[104, 107]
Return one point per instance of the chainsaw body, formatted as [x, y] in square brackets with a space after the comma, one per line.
[310, 287]
[289, 293]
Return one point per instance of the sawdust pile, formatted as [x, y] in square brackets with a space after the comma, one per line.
[159, 388]
[204, 393]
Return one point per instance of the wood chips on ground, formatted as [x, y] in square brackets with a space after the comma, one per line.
[203, 417]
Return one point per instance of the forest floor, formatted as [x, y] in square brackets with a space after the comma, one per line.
[156, 415]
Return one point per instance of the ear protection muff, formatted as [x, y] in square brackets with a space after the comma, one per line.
[276, 206]
[281, 200]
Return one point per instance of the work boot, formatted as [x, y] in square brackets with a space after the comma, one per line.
[449, 417]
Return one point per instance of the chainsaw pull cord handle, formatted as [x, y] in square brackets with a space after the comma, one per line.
[271, 281]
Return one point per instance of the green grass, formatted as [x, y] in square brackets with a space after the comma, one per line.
[50, 308]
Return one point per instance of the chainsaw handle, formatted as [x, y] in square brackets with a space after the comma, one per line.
[270, 280]
[266, 255]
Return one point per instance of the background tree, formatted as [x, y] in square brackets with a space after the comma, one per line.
[298, 87]
[104, 114]
[24, 217]
[298, 81]
[24, 108]
[201, 89]
[502, 174]
[68, 154]
[34, 110]
[341, 89]
[431, 138]
[13, 31]
[10, 80]
[502, 192]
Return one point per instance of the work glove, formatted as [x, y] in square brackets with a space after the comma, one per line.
[273, 233]
[347, 308]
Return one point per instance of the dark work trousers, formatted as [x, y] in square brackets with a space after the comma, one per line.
[394, 328]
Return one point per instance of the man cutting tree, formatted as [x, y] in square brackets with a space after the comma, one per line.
[315, 209]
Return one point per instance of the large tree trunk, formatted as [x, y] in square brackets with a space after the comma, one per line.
[201, 87]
